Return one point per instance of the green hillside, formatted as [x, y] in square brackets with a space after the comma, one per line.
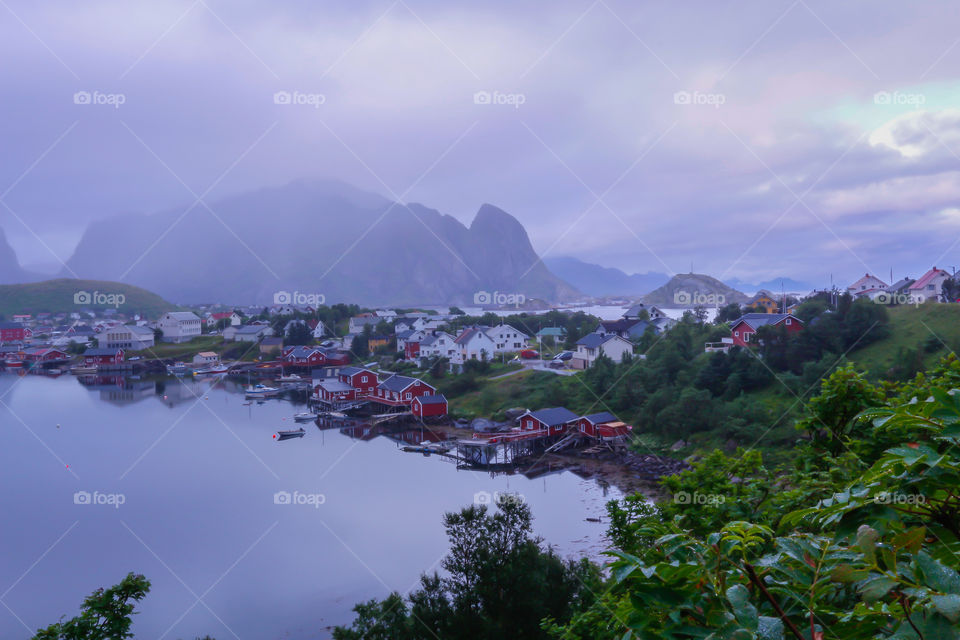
[919, 336]
[66, 295]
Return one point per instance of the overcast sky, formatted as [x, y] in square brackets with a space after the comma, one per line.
[749, 139]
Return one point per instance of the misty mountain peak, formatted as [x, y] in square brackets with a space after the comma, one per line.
[491, 218]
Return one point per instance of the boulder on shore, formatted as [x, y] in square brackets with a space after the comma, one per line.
[514, 413]
[481, 425]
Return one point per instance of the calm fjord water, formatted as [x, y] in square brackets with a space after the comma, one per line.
[97, 481]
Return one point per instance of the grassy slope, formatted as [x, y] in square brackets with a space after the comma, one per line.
[911, 327]
[57, 296]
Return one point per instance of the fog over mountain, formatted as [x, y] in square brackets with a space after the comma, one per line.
[10, 271]
[316, 237]
[597, 280]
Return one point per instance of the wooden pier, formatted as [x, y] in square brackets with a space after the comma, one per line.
[505, 448]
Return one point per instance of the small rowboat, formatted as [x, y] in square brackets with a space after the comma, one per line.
[286, 435]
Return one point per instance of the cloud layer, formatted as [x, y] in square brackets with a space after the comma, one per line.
[780, 138]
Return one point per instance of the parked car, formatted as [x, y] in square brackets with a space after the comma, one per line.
[529, 354]
[563, 356]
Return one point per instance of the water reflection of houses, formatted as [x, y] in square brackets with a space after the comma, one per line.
[178, 391]
[118, 389]
[363, 430]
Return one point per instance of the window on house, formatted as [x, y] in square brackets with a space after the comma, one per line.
[408, 396]
[736, 334]
[788, 321]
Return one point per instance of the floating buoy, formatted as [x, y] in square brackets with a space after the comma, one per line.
[58, 425]
[274, 435]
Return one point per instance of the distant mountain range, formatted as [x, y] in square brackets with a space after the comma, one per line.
[326, 238]
[318, 238]
[595, 280]
[789, 285]
[694, 289]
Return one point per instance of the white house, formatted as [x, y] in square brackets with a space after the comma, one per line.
[357, 323]
[474, 344]
[867, 285]
[320, 330]
[929, 286]
[206, 357]
[247, 333]
[127, 337]
[235, 319]
[593, 345]
[438, 344]
[180, 326]
[507, 338]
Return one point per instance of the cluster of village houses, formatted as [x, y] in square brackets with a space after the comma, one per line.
[352, 386]
[419, 336]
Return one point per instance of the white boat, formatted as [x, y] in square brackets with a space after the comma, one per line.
[261, 391]
[211, 371]
[336, 414]
[82, 370]
[306, 416]
[178, 368]
[292, 377]
[13, 363]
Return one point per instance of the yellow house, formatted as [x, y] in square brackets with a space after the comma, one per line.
[764, 301]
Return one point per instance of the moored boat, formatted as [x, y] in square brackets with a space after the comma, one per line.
[82, 370]
[261, 391]
[305, 417]
[286, 435]
[178, 368]
[211, 371]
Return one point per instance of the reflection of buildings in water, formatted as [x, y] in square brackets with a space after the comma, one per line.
[360, 430]
[416, 436]
[119, 390]
[178, 391]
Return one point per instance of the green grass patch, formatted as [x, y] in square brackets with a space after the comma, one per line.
[61, 296]
[925, 333]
